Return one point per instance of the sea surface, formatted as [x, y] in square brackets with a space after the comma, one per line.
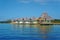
[29, 32]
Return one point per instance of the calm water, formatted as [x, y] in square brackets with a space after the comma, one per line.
[29, 32]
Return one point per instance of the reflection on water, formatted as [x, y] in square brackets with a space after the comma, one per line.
[15, 31]
[40, 31]
[44, 30]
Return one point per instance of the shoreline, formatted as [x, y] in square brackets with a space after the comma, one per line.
[33, 23]
[37, 23]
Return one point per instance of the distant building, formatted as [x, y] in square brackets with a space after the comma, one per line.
[45, 18]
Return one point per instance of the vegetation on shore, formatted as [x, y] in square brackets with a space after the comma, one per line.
[8, 21]
[56, 21]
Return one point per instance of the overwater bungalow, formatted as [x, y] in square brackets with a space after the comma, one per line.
[25, 21]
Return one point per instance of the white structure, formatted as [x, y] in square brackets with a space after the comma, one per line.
[45, 18]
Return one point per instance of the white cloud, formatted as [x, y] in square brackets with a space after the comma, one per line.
[56, 0]
[39, 1]
[29, 1]
[23, 1]
[43, 2]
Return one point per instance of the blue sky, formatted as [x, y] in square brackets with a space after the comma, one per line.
[10, 9]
